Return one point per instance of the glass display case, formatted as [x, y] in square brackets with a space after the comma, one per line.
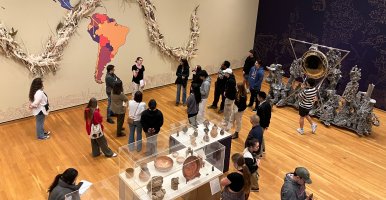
[170, 172]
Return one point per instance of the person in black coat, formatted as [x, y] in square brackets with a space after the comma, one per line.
[182, 80]
[219, 87]
[110, 80]
[64, 184]
[248, 64]
[263, 110]
[151, 120]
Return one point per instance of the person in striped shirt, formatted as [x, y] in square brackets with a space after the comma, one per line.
[306, 100]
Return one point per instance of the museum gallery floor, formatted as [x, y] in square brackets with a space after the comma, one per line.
[342, 165]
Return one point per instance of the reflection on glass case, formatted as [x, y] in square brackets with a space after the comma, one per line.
[169, 172]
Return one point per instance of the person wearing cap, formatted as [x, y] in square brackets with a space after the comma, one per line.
[256, 76]
[219, 87]
[248, 64]
[230, 96]
[294, 187]
[151, 120]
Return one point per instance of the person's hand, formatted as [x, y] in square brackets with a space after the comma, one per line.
[30, 106]
[243, 72]
[266, 129]
[258, 162]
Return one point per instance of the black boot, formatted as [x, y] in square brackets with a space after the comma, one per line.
[235, 135]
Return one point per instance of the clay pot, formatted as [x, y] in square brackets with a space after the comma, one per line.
[144, 175]
[129, 172]
[214, 132]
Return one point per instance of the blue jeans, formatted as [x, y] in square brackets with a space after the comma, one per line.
[179, 93]
[109, 112]
[136, 125]
[40, 126]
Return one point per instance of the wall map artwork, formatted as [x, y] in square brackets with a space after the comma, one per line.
[48, 60]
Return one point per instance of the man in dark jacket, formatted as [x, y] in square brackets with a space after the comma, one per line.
[182, 74]
[256, 76]
[294, 187]
[219, 87]
[151, 121]
[110, 80]
[264, 112]
[230, 96]
[256, 131]
[248, 64]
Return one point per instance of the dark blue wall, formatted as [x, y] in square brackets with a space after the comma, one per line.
[358, 26]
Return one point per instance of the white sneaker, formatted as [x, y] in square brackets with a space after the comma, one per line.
[114, 155]
[300, 131]
[313, 127]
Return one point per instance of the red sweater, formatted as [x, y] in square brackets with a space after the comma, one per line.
[96, 120]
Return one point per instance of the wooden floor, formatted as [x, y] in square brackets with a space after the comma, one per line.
[342, 165]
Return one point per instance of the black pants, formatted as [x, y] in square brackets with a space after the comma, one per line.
[120, 121]
[219, 90]
[253, 98]
[100, 144]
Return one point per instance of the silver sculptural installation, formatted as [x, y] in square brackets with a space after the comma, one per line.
[352, 110]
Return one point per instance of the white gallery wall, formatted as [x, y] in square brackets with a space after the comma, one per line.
[227, 29]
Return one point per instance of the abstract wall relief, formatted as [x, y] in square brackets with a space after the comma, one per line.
[110, 36]
[358, 26]
[103, 29]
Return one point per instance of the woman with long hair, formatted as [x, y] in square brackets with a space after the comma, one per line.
[193, 102]
[64, 184]
[239, 108]
[182, 74]
[237, 184]
[138, 75]
[93, 116]
[118, 106]
[136, 107]
[39, 106]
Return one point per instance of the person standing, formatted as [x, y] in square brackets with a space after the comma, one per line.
[219, 87]
[118, 106]
[93, 116]
[306, 101]
[110, 80]
[204, 89]
[264, 112]
[256, 132]
[252, 163]
[239, 108]
[230, 96]
[248, 64]
[39, 106]
[182, 80]
[256, 76]
[193, 102]
[294, 187]
[196, 77]
[151, 121]
[136, 107]
[64, 184]
[237, 184]
[138, 74]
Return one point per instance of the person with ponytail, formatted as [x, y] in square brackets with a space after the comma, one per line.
[237, 184]
[252, 163]
[64, 184]
[93, 116]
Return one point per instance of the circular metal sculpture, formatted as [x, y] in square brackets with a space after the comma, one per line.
[163, 163]
[191, 168]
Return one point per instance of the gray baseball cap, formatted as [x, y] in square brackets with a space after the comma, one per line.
[304, 174]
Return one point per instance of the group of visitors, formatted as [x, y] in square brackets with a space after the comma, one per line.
[237, 185]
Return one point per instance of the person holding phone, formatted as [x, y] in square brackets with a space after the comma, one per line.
[294, 187]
